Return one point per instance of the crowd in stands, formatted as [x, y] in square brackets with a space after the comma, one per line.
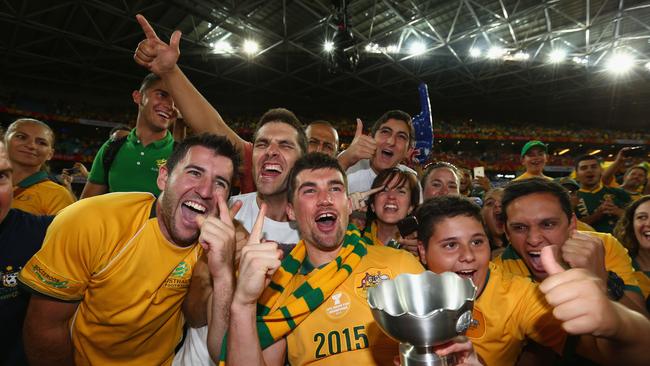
[241, 245]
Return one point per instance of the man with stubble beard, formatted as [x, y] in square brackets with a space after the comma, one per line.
[114, 269]
[318, 293]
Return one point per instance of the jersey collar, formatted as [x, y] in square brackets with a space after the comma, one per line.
[595, 190]
[35, 178]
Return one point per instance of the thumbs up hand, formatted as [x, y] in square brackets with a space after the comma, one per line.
[361, 147]
[259, 261]
[577, 298]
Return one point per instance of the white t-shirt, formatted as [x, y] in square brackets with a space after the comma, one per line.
[361, 175]
[194, 350]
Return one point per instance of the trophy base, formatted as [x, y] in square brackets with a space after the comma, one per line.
[423, 356]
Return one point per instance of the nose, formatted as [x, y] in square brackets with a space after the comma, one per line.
[324, 198]
[466, 254]
[205, 188]
[391, 139]
[497, 208]
[273, 149]
[534, 237]
[444, 190]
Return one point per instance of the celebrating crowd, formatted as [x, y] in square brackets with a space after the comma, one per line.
[158, 262]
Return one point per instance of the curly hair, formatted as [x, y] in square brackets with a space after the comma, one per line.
[624, 229]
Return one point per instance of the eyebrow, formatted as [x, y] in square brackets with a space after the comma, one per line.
[8, 170]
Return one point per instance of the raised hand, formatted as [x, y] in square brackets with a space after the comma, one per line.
[259, 261]
[577, 297]
[582, 250]
[217, 237]
[361, 147]
[358, 199]
[154, 54]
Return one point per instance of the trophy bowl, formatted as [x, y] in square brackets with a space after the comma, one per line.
[422, 311]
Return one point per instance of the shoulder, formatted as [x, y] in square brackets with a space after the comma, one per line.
[361, 165]
[118, 204]
[397, 260]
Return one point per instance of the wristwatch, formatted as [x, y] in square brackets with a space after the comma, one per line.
[615, 286]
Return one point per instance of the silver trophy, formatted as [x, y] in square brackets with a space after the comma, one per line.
[422, 311]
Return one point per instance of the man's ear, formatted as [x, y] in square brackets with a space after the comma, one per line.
[290, 212]
[573, 223]
[163, 176]
[422, 253]
[137, 97]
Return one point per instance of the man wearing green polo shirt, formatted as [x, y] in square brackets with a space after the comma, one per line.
[534, 156]
[134, 167]
[598, 205]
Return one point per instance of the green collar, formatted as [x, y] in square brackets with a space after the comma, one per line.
[510, 254]
[35, 178]
[307, 267]
[133, 138]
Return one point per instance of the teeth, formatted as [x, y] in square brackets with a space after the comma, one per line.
[195, 206]
[536, 253]
[273, 168]
[325, 216]
[164, 115]
[390, 206]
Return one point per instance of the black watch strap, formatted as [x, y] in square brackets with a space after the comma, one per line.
[615, 286]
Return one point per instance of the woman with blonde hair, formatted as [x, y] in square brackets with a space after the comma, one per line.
[30, 144]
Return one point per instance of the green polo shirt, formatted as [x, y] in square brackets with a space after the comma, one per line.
[135, 168]
[588, 202]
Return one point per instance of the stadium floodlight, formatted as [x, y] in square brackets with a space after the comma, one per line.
[251, 47]
[222, 47]
[495, 52]
[393, 48]
[417, 48]
[372, 48]
[475, 52]
[521, 56]
[328, 46]
[647, 65]
[594, 152]
[557, 56]
[564, 151]
[620, 63]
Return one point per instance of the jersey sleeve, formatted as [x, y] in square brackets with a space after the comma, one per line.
[70, 254]
[617, 260]
[96, 174]
[409, 263]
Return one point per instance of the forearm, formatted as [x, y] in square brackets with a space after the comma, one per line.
[594, 217]
[629, 345]
[633, 301]
[243, 344]
[610, 172]
[48, 345]
[197, 112]
[345, 160]
[219, 314]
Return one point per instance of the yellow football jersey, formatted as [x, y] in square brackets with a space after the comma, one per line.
[108, 253]
[43, 198]
[509, 311]
[342, 330]
[527, 175]
[616, 260]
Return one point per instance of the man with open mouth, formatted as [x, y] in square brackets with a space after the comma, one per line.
[114, 269]
[537, 213]
[312, 306]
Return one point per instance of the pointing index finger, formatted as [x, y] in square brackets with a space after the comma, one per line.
[146, 27]
[256, 231]
[365, 194]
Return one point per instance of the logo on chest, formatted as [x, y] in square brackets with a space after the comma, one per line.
[337, 305]
[180, 276]
[368, 279]
[477, 328]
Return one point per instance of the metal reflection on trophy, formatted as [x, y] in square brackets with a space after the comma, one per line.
[423, 311]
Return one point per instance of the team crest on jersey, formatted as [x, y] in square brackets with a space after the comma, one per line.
[160, 162]
[477, 328]
[337, 305]
[370, 278]
[180, 276]
[9, 287]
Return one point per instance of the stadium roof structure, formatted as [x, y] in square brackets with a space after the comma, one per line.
[553, 60]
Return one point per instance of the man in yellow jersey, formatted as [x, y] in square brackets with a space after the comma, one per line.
[509, 309]
[311, 306]
[534, 156]
[537, 213]
[114, 269]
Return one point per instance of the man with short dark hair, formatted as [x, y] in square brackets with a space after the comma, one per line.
[538, 213]
[322, 137]
[534, 155]
[598, 205]
[319, 290]
[390, 142]
[109, 291]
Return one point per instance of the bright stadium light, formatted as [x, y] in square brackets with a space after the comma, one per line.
[620, 63]
[222, 47]
[475, 52]
[251, 47]
[495, 52]
[557, 56]
[393, 48]
[647, 65]
[417, 48]
[521, 56]
[564, 151]
[328, 46]
[595, 152]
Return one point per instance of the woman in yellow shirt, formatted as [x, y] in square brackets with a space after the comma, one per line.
[30, 144]
[387, 207]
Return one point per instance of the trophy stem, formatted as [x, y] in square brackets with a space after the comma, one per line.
[423, 356]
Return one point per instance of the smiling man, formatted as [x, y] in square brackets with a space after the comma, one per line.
[390, 142]
[314, 308]
[114, 269]
[534, 156]
[537, 213]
